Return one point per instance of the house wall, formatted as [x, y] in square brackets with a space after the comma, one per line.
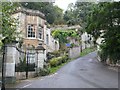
[38, 22]
[52, 43]
[23, 21]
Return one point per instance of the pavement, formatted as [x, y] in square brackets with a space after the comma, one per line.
[84, 72]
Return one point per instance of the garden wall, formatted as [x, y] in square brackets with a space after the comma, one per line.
[22, 75]
[74, 52]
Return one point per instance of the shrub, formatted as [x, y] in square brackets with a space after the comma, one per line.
[44, 71]
[103, 56]
[59, 60]
[54, 62]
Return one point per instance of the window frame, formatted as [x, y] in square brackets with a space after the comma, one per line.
[32, 27]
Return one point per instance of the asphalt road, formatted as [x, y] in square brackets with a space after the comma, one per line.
[84, 72]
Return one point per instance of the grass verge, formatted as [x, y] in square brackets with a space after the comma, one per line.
[55, 69]
[87, 51]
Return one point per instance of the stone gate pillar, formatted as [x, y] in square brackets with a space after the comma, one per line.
[40, 56]
[10, 58]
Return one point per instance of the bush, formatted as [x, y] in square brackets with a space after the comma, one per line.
[103, 56]
[54, 54]
[54, 62]
[59, 60]
[44, 71]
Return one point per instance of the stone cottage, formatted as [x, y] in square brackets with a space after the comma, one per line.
[32, 28]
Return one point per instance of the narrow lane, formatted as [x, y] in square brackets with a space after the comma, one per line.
[84, 72]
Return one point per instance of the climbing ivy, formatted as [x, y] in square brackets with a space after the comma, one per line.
[63, 35]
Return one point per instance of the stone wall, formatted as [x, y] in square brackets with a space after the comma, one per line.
[74, 52]
[22, 75]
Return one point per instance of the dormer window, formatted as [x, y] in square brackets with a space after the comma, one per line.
[40, 32]
[31, 31]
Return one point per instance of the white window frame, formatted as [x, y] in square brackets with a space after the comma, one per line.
[31, 31]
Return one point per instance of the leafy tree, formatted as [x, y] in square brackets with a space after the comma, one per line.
[105, 20]
[8, 24]
[69, 15]
[82, 10]
[77, 14]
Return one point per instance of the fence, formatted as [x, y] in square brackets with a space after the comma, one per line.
[22, 62]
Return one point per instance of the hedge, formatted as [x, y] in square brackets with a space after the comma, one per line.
[59, 60]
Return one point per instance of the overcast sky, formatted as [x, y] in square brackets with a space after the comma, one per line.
[64, 3]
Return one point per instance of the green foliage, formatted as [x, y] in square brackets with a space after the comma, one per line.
[106, 17]
[44, 71]
[87, 51]
[103, 56]
[62, 36]
[58, 61]
[8, 30]
[77, 14]
[53, 54]
[54, 62]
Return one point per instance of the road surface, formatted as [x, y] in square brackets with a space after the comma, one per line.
[84, 72]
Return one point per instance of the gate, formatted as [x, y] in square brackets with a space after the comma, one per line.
[26, 63]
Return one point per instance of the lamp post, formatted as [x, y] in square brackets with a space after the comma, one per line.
[36, 62]
[27, 66]
[3, 67]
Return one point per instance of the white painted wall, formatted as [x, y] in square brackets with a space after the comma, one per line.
[51, 46]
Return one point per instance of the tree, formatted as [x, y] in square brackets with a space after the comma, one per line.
[8, 24]
[77, 14]
[69, 15]
[106, 18]
[82, 10]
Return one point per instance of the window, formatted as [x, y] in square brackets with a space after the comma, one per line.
[47, 39]
[40, 32]
[31, 58]
[31, 31]
[40, 35]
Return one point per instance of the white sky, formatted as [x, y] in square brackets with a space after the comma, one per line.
[64, 3]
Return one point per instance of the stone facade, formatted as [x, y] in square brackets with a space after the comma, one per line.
[31, 25]
[31, 28]
[34, 33]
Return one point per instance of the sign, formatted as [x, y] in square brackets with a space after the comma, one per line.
[68, 44]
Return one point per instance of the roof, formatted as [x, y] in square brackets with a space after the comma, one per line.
[30, 12]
